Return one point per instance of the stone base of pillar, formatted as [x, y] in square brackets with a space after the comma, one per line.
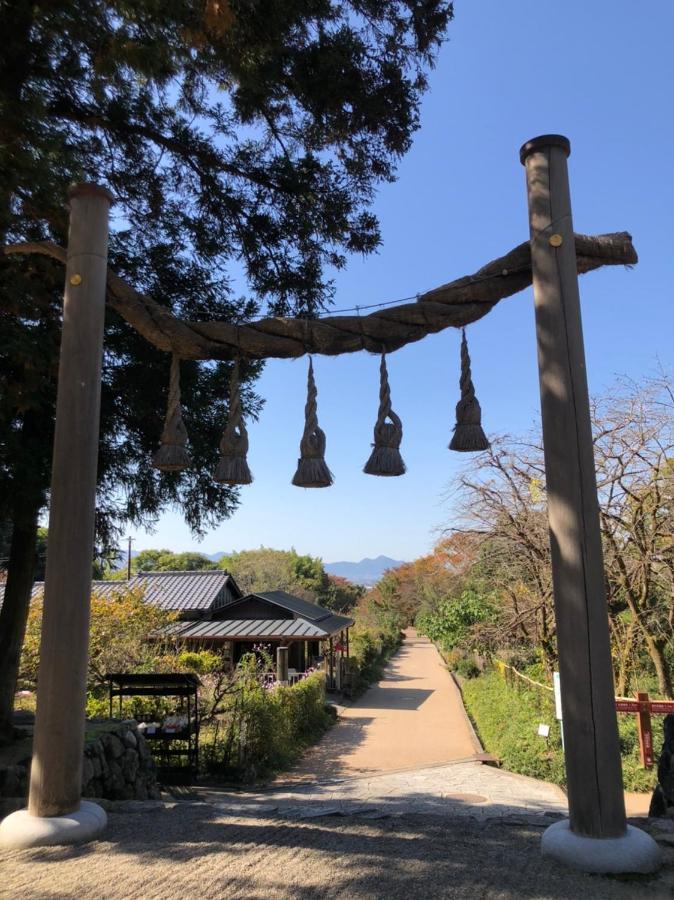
[20, 830]
[634, 852]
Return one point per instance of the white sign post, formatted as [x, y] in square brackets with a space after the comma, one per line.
[558, 703]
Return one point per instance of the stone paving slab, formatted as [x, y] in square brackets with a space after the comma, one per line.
[458, 789]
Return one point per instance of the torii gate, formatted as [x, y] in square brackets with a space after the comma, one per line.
[596, 837]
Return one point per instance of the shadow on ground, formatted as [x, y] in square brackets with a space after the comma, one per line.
[193, 850]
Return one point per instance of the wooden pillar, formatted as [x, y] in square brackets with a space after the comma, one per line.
[56, 770]
[592, 750]
[282, 665]
[331, 683]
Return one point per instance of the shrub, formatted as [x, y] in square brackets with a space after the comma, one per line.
[507, 718]
[370, 651]
[265, 729]
[467, 668]
[119, 628]
[454, 620]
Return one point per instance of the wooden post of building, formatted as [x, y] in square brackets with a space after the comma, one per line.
[592, 751]
[56, 769]
[331, 682]
[282, 665]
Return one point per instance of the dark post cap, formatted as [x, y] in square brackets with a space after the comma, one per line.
[545, 140]
[88, 188]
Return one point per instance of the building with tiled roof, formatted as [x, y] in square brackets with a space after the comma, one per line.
[192, 595]
[213, 613]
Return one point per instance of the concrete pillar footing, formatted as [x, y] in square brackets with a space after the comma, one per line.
[21, 830]
[633, 852]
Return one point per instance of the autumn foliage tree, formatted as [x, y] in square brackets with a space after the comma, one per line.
[501, 506]
[121, 624]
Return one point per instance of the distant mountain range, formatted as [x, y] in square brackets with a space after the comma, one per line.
[367, 571]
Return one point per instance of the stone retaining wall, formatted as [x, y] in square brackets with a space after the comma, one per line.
[117, 766]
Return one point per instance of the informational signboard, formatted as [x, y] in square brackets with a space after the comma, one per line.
[557, 687]
[556, 684]
[644, 707]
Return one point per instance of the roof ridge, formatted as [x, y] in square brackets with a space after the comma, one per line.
[185, 572]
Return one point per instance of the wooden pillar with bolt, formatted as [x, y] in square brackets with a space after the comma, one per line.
[592, 748]
[56, 769]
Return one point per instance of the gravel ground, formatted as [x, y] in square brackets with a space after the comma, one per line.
[193, 850]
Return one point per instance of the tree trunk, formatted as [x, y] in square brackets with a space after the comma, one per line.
[625, 646]
[656, 653]
[14, 613]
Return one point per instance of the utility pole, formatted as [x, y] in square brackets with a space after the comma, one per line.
[56, 814]
[128, 559]
[597, 838]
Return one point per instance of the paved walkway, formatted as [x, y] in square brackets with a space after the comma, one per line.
[405, 747]
[412, 719]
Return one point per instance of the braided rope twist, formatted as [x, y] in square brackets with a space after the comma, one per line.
[452, 305]
[172, 455]
[312, 444]
[386, 434]
[469, 436]
[468, 408]
[174, 428]
[234, 441]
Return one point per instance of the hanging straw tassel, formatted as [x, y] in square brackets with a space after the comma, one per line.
[468, 434]
[385, 458]
[172, 455]
[312, 471]
[232, 466]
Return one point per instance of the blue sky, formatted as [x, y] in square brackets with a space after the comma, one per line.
[600, 73]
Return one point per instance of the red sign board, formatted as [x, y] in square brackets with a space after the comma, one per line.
[644, 707]
[662, 707]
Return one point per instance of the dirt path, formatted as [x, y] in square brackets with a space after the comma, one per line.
[412, 719]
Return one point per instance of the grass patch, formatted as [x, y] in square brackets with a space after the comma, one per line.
[507, 718]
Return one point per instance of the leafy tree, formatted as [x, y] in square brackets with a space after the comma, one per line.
[341, 594]
[276, 570]
[166, 561]
[503, 511]
[453, 622]
[419, 586]
[240, 141]
[118, 634]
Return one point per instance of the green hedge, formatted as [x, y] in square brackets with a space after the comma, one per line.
[507, 718]
[265, 730]
[370, 650]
